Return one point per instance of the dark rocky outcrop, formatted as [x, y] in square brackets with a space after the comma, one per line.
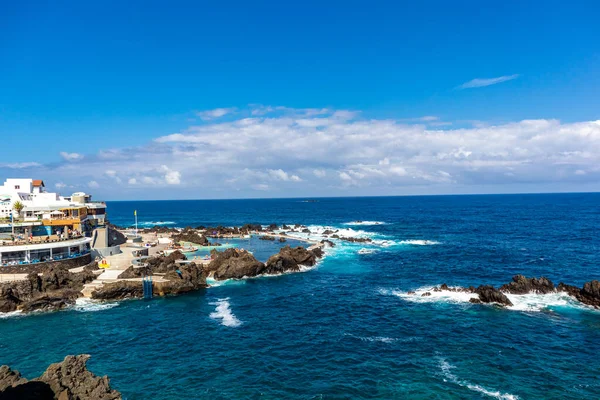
[306, 230]
[186, 278]
[589, 294]
[282, 240]
[54, 289]
[489, 294]
[67, 380]
[266, 237]
[234, 264]
[119, 290]
[162, 264]
[290, 259]
[328, 243]
[522, 285]
[190, 235]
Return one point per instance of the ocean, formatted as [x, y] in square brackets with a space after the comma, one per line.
[347, 328]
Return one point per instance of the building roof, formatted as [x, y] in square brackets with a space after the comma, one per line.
[38, 182]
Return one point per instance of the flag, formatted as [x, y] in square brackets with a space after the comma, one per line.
[135, 213]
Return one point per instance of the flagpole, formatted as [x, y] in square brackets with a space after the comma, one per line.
[136, 226]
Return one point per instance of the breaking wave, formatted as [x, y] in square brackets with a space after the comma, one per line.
[367, 251]
[223, 312]
[364, 223]
[150, 224]
[83, 304]
[446, 369]
[382, 339]
[11, 314]
[419, 242]
[531, 302]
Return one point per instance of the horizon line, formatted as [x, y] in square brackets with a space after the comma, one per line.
[360, 197]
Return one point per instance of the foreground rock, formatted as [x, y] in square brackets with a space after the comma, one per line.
[54, 289]
[67, 380]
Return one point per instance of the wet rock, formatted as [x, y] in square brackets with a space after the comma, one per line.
[589, 294]
[67, 380]
[426, 294]
[272, 227]
[327, 232]
[306, 230]
[475, 300]
[282, 240]
[285, 227]
[55, 301]
[234, 264]
[489, 294]
[522, 285]
[328, 243]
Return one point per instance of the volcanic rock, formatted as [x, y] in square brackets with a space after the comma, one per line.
[234, 263]
[522, 285]
[67, 380]
[489, 294]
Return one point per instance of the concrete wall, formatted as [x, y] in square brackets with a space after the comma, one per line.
[105, 252]
[40, 267]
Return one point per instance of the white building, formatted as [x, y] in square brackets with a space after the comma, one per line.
[46, 212]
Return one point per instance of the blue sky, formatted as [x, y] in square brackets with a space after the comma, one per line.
[119, 77]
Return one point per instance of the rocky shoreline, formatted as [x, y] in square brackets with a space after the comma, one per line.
[66, 380]
[58, 288]
[589, 294]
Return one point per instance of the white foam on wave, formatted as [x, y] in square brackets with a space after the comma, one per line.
[11, 314]
[153, 223]
[382, 339]
[364, 223]
[446, 369]
[419, 242]
[83, 304]
[417, 295]
[223, 312]
[367, 251]
[531, 302]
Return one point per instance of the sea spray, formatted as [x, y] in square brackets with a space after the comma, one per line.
[447, 368]
[223, 312]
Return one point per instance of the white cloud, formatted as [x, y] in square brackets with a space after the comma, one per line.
[261, 186]
[369, 156]
[279, 174]
[60, 185]
[22, 165]
[215, 113]
[71, 156]
[320, 173]
[93, 184]
[171, 177]
[481, 82]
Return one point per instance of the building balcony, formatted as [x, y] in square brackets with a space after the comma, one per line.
[63, 221]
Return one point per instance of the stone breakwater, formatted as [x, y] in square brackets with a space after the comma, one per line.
[589, 294]
[53, 289]
[66, 380]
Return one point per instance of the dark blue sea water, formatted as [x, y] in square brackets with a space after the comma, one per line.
[348, 328]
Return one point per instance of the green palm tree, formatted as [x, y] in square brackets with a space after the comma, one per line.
[18, 207]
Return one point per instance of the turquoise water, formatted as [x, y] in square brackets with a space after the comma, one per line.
[348, 328]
